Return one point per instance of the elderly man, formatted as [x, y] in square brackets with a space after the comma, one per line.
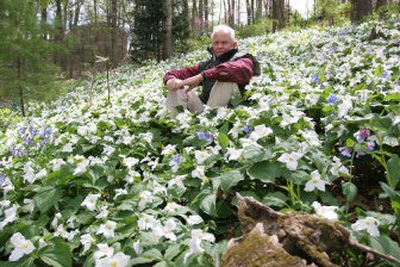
[223, 76]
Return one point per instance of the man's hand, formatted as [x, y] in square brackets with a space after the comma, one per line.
[192, 82]
[174, 84]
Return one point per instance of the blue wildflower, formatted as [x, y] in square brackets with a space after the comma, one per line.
[2, 179]
[176, 159]
[16, 153]
[315, 78]
[362, 135]
[206, 136]
[385, 74]
[332, 99]
[359, 153]
[247, 129]
[345, 151]
[370, 145]
[22, 131]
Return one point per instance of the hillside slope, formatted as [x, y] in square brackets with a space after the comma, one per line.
[124, 182]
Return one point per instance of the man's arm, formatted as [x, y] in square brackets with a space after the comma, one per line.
[181, 74]
[239, 71]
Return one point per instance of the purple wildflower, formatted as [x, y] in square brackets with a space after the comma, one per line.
[315, 78]
[247, 129]
[22, 131]
[385, 74]
[16, 153]
[2, 179]
[362, 134]
[345, 151]
[206, 136]
[359, 153]
[176, 159]
[370, 145]
[332, 99]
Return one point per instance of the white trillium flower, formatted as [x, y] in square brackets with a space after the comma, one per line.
[195, 242]
[117, 260]
[130, 162]
[166, 230]
[42, 173]
[120, 192]
[327, 212]
[370, 224]
[144, 198]
[233, 154]
[90, 201]
[172, 207]
[56, 164]
[29, 205]
[199, 172]
[290, 160]
[22, 247]
[81, 168]
[315, 182]
[107, 229]
[146, 222]
[104, 250]
[10, 215]
[194, 219]
[259, 132]
[87, 240]
[29, 175]
[137, 247]
[201, 156]
[103, 213]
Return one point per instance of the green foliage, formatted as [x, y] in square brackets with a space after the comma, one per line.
[259, 28]
[7, 118]
[25, 57]
[147, 29]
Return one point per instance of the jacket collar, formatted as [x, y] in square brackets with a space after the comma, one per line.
[225, 56]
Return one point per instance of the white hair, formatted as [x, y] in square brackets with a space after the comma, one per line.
[224, 29]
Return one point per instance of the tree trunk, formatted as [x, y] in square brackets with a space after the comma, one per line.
[360, 9]
[167, 30]
[43, 20]
[248, 9]
[232, 14]
[95, 10]
[253, 13]
[201, 13]
[114, 29]
[258, 10]
[238, 22]
[77, 12]
[195, 15]
[278, 15]
[21, 90]
[205, 8]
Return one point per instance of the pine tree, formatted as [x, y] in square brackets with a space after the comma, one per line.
[147, 28]
[25, 56]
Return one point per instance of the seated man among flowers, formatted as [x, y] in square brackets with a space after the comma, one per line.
[222, 76]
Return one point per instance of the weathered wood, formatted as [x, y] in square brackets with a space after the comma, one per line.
[270, 237]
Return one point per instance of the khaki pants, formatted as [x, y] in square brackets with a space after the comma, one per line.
[220, 96]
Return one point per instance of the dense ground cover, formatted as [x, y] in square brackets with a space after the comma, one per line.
[123, 183]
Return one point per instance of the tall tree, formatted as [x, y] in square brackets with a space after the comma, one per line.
[258, 10]
[167, 30]
[327, 10]
[278, 15]
[114, 30]
[360, 9]
[25, 57]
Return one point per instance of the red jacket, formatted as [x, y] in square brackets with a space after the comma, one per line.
[225, 68]
[239, 71]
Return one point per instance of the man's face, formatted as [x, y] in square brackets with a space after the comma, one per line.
[222, 43]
